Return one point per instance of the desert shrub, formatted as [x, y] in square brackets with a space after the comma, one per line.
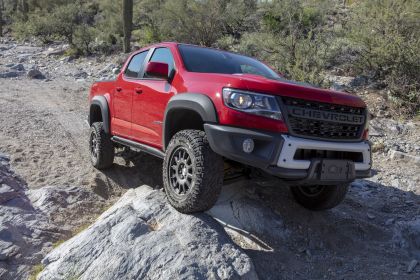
[84, 38]
[291, 39]
[384, 36]
[62, 23]
[36, 26]
[197, 22]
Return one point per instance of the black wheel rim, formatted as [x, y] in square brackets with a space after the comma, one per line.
[94, 145]
[311, 190]
[181, 171]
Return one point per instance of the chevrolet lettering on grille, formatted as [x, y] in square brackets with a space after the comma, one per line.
[326, 116]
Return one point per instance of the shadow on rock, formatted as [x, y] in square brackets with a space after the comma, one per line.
[132, 172]
[374, 233]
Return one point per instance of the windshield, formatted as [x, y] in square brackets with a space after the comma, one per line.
[205, 60]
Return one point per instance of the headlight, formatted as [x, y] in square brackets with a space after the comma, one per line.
[252, 103]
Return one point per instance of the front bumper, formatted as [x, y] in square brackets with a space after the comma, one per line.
[275, 153]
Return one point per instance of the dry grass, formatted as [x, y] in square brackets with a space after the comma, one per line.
[36, 270]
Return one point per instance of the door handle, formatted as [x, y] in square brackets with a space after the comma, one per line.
[138, 90]
[119, 89]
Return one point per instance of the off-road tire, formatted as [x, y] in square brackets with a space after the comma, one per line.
[207, 174]
[105, 149]
[328, 197]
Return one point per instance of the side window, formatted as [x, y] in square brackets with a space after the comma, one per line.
[136, 64]
[163, 55]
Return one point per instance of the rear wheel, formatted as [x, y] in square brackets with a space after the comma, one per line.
[100, 146]
[192, 172]
[320, 197]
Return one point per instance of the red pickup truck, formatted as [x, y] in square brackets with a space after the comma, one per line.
[207, 112]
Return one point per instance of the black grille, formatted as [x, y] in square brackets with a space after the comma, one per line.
[318, 128]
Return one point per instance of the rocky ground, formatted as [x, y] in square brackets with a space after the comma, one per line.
[49, 192]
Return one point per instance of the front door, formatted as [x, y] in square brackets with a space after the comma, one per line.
[149, 105]
[123, 96]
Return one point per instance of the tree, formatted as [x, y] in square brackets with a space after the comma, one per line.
[127, 14]
[24, 9]
[1, 18]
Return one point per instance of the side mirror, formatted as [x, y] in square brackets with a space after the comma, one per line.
[157, 70]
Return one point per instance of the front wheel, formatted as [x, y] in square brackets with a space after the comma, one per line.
[320, 197]
[192, 172]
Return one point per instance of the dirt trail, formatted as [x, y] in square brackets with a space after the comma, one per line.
[43, 128]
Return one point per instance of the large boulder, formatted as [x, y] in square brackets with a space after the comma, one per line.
[25, 233]
[32, 220]
[18, 67]
[142, 237]
[35, 74]
[9, 74]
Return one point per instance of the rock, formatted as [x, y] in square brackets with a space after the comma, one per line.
[35, 74]
[359, 81]
[389, 221]
[142, 237]
[371, 216]
[404, 157]
[67, 59]
[18, 67]
[81, 75]
[9, 74]
[28, 220]
[23, 57]
[407, 236]
[337, 87]
[52, 52]
[235, 210]
[116, 71]
[411, 266]
[65, 205]
[339, 83]
[7, 193]
[107, 69]
[25, 233]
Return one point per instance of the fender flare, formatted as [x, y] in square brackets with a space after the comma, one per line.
[103, 105]
[197, 102]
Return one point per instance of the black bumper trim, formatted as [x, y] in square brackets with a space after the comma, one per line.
[227, 141]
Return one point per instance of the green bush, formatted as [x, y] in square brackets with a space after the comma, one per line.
[36, 26]
[291, 39]
[84, 37]
[384, 36]
[63, 23]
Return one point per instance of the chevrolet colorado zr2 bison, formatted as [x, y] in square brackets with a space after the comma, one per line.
[207, 112]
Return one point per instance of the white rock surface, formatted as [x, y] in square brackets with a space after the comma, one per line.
[25, 232]
[141, 237]
[32, 220]
[404, 157]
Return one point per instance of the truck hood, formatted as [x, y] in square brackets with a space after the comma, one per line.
[283, 87]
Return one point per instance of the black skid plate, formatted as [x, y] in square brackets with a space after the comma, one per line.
[337, 170]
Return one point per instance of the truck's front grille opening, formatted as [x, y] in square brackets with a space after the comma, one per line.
[312, 119]
[309, 154]
[323, 129]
